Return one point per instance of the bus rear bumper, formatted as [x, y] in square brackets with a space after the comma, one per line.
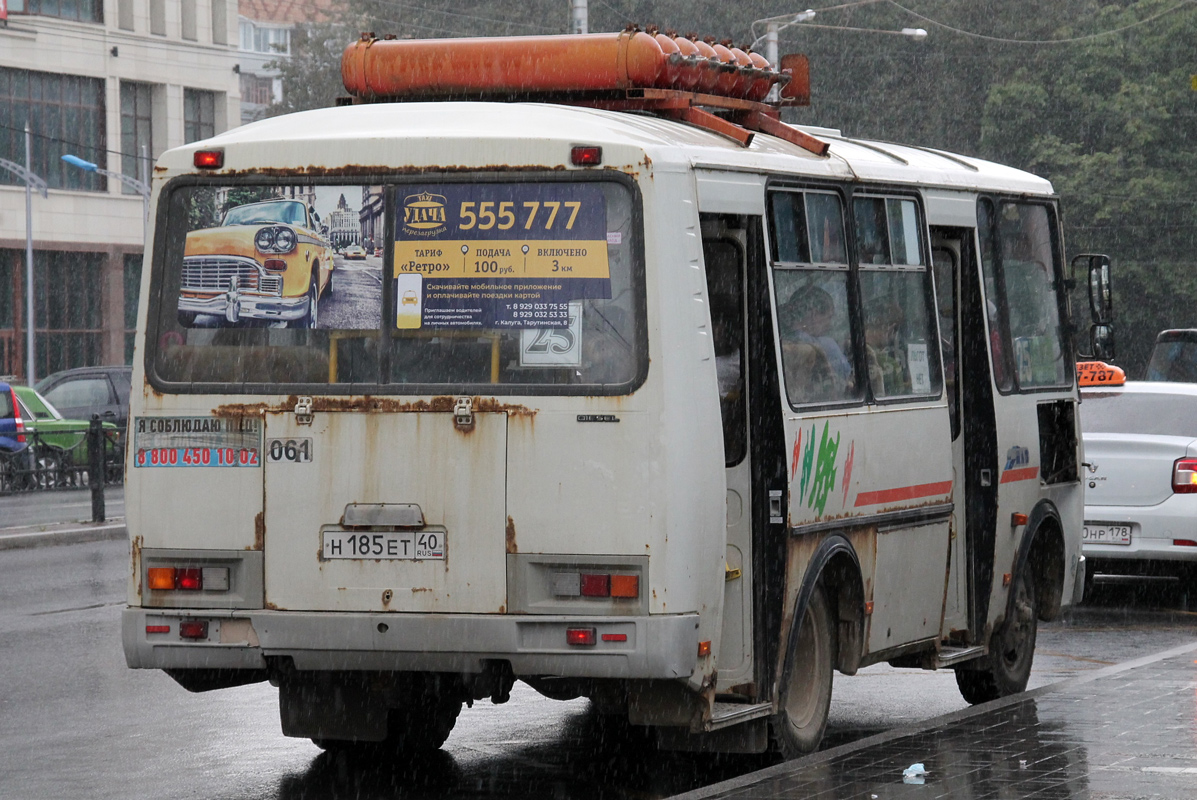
[634, 647]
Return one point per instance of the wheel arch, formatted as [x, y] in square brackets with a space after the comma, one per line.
[1042, 552]
[836, 564]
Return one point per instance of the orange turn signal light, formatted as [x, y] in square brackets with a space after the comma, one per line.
[704, 649]
[1017, 519]
[625, 585]
[161, 577]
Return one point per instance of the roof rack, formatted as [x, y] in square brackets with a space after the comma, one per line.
[706, 84]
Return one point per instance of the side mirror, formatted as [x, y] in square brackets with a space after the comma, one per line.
[1101, 297]
[1101, 341]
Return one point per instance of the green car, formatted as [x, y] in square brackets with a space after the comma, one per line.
[61, 444]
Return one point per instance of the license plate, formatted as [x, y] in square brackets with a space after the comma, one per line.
[1106, 534]
[414, 545]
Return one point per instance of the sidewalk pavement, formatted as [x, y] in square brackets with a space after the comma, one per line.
[1127, 731]
[44, 534]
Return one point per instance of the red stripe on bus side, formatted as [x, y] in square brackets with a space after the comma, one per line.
[1024, 474]
[903, 493]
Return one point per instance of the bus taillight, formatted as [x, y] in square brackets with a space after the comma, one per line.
[580, 636]
[188, 579]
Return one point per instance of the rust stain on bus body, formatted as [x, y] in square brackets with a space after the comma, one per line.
[390, 170]
[442, 404]
[259, 531]
[135, 546]
[510, 536]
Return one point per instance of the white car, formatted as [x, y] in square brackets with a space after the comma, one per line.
[1140, 479]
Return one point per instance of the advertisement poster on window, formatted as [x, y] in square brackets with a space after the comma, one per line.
[498, 255]
[289, 256]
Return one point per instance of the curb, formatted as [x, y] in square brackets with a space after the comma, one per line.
[743, 782]
[67, 533]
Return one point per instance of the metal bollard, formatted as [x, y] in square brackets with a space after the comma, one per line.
[95, 467]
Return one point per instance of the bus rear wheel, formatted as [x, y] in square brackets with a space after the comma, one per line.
[1007, 668]
[806, 697]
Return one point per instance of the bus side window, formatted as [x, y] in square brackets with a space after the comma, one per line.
[895, 293]
[811, 284]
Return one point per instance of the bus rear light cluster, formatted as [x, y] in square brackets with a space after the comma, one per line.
[188, 579]
[596, 584]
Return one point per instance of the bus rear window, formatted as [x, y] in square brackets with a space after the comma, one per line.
[415, 288]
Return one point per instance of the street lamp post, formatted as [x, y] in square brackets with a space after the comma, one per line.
[775, 25]
[142, 187]
[32, 182]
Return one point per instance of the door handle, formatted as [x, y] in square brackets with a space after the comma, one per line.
[776, 514]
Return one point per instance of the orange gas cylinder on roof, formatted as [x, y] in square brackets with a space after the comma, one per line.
[549, 66]
[516, 64]
[689, 52]
[710, 75]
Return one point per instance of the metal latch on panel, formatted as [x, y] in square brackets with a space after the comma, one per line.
[463, 413]
[775, 511]
[303, 411]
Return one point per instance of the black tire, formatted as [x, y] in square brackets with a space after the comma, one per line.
[1007, 667]
[187, 318]
[311, 314]
[806, 697]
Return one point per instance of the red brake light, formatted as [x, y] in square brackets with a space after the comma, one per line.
[596, 585]
[615, 637]
[193, 629]
[16, 412]
[1184, 543]
[157, 629]
[579, 636]
[1184, 476]
[191, 578]
[208, 159]
[586, 156]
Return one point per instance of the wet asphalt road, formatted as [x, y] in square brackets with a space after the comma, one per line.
[75, 722]
[356, 297]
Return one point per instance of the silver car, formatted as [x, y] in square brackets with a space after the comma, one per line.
[1141, 479]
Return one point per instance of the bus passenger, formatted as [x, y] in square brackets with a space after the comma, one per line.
[815, 364]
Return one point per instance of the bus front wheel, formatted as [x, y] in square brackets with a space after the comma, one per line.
[806, 697]
[1007, 668]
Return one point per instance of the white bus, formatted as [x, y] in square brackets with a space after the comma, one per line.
[677, 415]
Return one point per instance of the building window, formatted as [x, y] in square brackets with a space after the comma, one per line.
[187, 20]
[220, 22]
[263, 39]
[132, 292]
[137, 139]
[199, 115]
[124, 15]
[65, 115]
[256, 89]
[158, 17]
[67, 307]
[82, 10]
